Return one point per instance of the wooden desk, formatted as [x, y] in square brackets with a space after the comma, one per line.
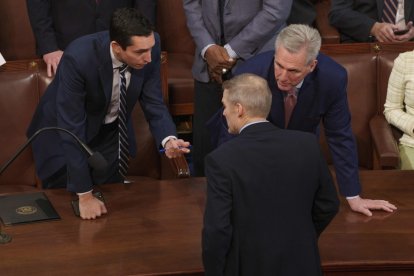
[154, 228]
[379, 245]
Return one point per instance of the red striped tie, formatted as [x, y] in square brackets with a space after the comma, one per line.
[290, 102]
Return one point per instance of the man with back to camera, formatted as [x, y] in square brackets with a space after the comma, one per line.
[85, 98]
[317, 87]
[269, 192]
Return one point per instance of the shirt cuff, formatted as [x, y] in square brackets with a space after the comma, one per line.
[352, 197]
[230, 51]
[79, 194]
[166, 139]
[203, 52]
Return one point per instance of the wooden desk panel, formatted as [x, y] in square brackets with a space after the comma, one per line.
[377, 245]
[154, 228]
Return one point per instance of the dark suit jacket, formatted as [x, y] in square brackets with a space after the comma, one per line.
[269, 196]
[78, 99]
[56, 23]
[354, 19]
[302, 12]
[322, 98]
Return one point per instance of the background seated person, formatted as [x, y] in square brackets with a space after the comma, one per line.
[367, 21]
[399, 105]
[56, 23]
[302, 12]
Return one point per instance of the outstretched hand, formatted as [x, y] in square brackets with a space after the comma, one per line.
[176, 147]
[364, 206]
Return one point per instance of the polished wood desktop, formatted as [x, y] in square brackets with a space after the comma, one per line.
[379, 245]
[154, 228]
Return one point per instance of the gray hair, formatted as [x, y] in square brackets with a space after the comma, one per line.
[295, 37]
[252, 92]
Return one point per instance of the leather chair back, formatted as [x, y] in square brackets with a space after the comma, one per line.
[18, 100]
[178, 43]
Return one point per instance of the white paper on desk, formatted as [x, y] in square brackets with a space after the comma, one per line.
[2, 61]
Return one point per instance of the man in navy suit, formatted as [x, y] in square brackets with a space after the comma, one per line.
[321, 85]
[251, 224]
[84, 99]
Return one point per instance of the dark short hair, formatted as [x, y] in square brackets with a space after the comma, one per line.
[128, 22]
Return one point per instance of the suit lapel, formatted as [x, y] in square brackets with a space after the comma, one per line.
[134, 88]
[306, 98]
[277, 111]
[105, 70]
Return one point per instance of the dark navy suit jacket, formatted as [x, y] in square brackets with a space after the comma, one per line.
[322, 98]
[251, 226]
[78, 99]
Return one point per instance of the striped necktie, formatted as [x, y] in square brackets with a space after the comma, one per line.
[123, 134]
[290, 102]
[390, 11]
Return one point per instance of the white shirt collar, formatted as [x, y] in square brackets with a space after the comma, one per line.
[115, 62]
[252, 123]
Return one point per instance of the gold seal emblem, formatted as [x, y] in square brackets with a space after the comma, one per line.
[26, 210]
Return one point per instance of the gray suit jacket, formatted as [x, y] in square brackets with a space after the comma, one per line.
[250, 27]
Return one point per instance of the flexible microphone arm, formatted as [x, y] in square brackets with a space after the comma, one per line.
[95, 160]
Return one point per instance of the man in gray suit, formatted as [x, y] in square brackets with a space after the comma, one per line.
[226, 33]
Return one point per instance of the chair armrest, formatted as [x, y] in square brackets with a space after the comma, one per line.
[175, 167]
[329, 34]
[384, 143]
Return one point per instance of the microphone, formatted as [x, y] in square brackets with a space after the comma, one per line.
[95, 160]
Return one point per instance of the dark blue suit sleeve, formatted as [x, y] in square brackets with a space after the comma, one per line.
[341, 142]
[71, 115]
[217, 231]
[156, 112]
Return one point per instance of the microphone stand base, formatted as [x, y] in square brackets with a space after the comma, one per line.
[4, 238]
